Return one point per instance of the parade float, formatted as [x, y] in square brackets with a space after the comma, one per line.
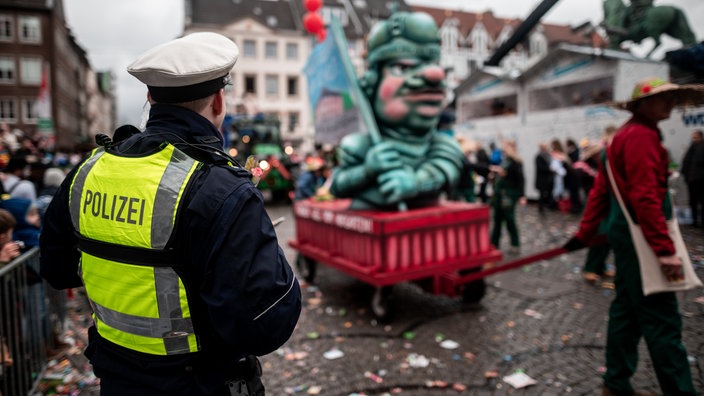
[388, 223]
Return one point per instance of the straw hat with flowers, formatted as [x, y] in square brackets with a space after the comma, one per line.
[681, 95]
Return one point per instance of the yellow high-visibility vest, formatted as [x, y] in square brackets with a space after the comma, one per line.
[124, 210]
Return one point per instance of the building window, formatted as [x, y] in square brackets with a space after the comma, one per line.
[293, 118]
[538, 44]
[6, 28]
[7, 69]
[490, 107]
[28, 111]
[292, 86]
[292, 51]
[270, 50]
[479, 38]
[250, 49]
[8, 112]
[599, 90]
[31, 71]
[250, 84]
[337, 12]
[30, 30]
[272, 85]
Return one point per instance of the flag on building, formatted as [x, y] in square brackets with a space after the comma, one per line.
[42, 107]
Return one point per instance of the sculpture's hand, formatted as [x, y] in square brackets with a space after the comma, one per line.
[398, 184]
[382, 157]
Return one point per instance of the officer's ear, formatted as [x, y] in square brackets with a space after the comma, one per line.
[218, 102]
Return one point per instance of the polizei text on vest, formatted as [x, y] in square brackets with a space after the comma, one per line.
[119, 208]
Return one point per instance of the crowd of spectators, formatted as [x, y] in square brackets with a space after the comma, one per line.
[31, 154]
[30, 171]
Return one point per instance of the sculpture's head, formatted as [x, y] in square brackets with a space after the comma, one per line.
[404, 82]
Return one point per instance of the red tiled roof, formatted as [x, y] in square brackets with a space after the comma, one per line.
[494, 25]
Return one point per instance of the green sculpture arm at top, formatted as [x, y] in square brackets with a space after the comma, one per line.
[412, 163]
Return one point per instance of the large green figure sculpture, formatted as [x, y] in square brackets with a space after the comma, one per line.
[411, 164]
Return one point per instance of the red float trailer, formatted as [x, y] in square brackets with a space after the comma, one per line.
[443, 248]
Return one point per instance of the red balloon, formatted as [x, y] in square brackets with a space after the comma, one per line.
[313, 5]
[313, 22]
[322, 34]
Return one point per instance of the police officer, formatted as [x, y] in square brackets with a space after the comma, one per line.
[179, 259]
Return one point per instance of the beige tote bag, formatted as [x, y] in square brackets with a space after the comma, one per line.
[654, 281]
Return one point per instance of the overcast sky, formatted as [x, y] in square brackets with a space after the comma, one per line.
[113, 32]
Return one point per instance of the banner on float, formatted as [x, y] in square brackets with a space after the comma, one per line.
[337, 102]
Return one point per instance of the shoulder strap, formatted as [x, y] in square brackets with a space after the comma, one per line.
[14, 186]
[617, 193]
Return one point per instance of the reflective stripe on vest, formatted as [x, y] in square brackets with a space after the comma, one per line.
[133, 201]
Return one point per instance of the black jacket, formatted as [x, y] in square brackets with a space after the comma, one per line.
[544, 176]
[693, 163]
[513, 182]
[243, 294]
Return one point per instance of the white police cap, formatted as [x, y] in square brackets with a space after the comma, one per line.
[187, 68]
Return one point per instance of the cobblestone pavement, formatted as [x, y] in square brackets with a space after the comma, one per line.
[541, 319]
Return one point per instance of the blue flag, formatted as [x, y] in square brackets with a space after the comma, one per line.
[338, 105]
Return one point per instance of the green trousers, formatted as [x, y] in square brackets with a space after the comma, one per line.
[596, 258]
[597, 255]
[504, 208]
[656, 318]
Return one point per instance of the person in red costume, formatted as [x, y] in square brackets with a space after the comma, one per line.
[639, 163]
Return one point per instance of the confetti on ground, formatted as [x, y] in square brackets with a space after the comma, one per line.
[373, 377]
[533, 314]
[435, 384]
[296, 389]
[296, 356]
[519, 380]
[459, 387]
[449, 344]
[333, 354]
[417, 361]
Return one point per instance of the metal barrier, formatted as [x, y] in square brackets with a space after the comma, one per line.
[31, 314]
